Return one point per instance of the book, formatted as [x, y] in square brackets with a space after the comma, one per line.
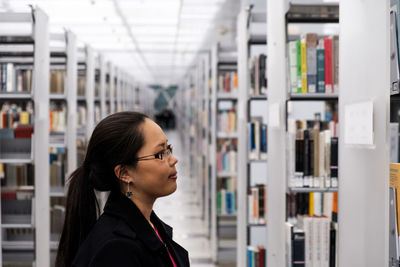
[311, 55]
[293, 66]
[299, 77]
[335, 63]
[394, 142]
[328, 65]
[393, 227]
[320, 67]
[303, 53]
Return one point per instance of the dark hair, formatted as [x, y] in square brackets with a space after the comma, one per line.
[116, 140]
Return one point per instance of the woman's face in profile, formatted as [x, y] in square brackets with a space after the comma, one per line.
[154, 177]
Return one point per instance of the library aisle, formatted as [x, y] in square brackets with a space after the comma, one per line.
[183, 212]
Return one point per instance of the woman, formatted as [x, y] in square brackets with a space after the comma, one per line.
[129, 156]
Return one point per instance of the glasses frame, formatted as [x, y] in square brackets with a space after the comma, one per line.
[158, 155]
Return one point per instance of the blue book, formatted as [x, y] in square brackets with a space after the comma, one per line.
[252, 144]
[321, 67]
[250, 257]
[264, 138]
[228, 202]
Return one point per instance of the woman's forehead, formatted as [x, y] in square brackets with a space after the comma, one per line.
[153, 133]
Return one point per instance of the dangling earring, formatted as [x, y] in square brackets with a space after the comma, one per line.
[129, 193]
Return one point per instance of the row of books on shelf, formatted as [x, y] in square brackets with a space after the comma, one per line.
[258, 75]
[16, 175]
[312, 204]
[257, 204]
[58, 116]
[227, 156]
[57, 81]
[226, 121]
[58, 166]
[314, 64]
[258, 140]
[256, 256]
[81, 85]
[228, 82]
[313, 155]
[226, 196]
[12, 114]
[312, 242]
[81, 115]
[15, 78]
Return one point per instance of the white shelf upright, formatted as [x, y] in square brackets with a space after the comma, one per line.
[41, 136]
[241, 230]
[90, 79]
[213, 158]
[112, 97]
[277, 84]
[364, 76]
[72, 92]
[103, 108]
[119, 88]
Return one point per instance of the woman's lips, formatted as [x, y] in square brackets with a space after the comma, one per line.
[173, 176]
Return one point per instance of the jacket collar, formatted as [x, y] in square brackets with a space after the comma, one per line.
[120, 206]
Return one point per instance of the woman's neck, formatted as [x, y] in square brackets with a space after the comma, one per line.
[145, 206]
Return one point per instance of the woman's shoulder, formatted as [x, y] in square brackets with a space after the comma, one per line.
[109, 238]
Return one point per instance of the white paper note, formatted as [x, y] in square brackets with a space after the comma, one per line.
[358, 128]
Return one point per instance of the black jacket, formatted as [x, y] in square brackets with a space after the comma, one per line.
[122, 237]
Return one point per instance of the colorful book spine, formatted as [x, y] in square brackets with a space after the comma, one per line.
[311, 55]
[321, 67]
[328, 65]
[293, 66]
[299, 80]
[303, 66]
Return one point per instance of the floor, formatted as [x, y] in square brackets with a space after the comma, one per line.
[182, 211]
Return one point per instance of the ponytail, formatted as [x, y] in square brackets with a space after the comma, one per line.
[80, 215]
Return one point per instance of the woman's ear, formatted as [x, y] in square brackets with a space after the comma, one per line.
[122, 173]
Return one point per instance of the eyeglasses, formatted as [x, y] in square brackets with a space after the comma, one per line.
[165, 153]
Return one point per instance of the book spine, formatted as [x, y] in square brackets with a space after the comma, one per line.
[335, 63]
[293, 65]
[311, 48]
[303, 67]
[299, 80]
[321, 67]
[334, 161]
[328, 65]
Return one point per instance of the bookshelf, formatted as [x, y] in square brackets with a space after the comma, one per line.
[252, 152]
[36, 58]
[284, 95]
[224, 136]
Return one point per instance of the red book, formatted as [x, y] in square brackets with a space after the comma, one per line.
[23, 131]
[328, 65]
[261, 252]
[227, 83]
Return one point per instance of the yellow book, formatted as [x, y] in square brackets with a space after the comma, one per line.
[395, 182]
[2, 175]
[235, 81]
[24, 118]
[311, 205]
[303, 66]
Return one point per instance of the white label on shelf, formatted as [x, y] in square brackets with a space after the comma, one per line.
[274, 115]
[358, 128]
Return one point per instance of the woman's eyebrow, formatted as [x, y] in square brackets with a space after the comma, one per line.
[162, 144]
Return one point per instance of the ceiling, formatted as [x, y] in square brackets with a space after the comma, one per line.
[154, 40]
